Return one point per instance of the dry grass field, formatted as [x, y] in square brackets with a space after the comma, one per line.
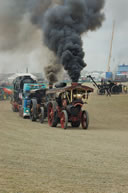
[35, 158]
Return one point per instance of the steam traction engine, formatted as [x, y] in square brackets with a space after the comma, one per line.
[33, 95]
[38, 103]
[108, 87]
[66, 105]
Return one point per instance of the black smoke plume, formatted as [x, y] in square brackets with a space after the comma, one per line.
[63, 26]
[62, 23]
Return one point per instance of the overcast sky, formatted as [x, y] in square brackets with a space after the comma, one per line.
[96, 44]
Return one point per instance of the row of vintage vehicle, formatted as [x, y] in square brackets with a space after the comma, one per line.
[60, 104]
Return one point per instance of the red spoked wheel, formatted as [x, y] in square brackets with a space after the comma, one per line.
[85, 120]
[33, 109]
[52, 118]
[41, 115]
[64, 120]
[14, 108]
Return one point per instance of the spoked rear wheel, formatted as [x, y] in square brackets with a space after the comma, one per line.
[85, 120]
[41, 116]
[52, 115]
[32, 115]
[33, 110]
[14, 109]
[64, 120]
[115, 89]
[20, 111]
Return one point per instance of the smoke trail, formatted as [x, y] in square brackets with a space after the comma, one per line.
[18, 35]
[10, 16]
[62, 27]
[51, 72]
[16, 28]
[37, 9]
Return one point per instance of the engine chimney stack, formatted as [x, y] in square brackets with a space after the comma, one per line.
[50, 85]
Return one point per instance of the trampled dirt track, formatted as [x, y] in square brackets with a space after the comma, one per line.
[35, 158]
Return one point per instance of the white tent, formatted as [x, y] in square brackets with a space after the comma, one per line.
[11, 78]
